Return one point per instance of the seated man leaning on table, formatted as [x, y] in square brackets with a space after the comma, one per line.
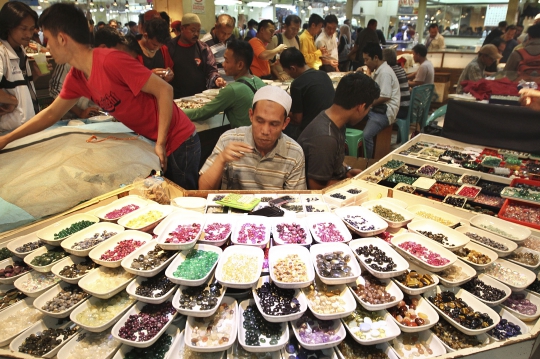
[260, 156]
[234, 99]
[474, 70]
[323, 140]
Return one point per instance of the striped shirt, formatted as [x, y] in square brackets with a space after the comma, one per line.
[404, 90]
[283, 168]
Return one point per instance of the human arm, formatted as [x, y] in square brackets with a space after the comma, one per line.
[314, 184]
[166, 74]
[221, 102]
[39, 122]
[212, 171]
[530, 98]
[419, 78]
[213, 78]
[8, 102]
[278, 72]
[296, 118]
[270, 54]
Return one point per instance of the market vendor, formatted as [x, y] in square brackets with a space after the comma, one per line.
[474, 70]
[323, 140]
[18, 100]
[152, 51]
[234, 99]
[119, 84]
[260, 156]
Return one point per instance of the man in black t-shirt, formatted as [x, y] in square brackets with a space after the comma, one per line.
[323, 140]
[312, 91]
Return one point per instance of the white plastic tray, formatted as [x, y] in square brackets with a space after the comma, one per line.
[338, 330]
[173, 221]
[90, 277]
[47, 234]
[422, 307]
[481, 249]
[144, 249]
[197, 311]
[317, 218]
[32, 293]
[465, 268]
[111, 243]
[262, 347]
[525, 250]
[192, 322]
[132, 287]
[92, 302]
[346, 296]
[40, 301]
[119, 203]
[258, 220]
[41, 250]
[247, 282]
[216, 218]
[483, 339]
[508, 243]
[371, 218]
[298, 294]
[417, 291]
[402, 264]
[392, 330]
[8, 262]
[177, 337]
[287, 220]
[456, 239]
[390, 288]
[530, 276]
[279, 252]
[66, 349]
[506, 314]
[181, 257]
[164, 210]
[471, 301]
[526, 318]
[512, 231]
[136, 309]
[89, 232]
[407, 215]
[11, 310]
[19, 241]
[427, 336]
[495, 284]
[68, 261]
[427, 243]
[322, 248]
[415, 209]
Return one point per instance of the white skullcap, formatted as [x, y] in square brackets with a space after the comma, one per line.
[276, 94]
[537, 17]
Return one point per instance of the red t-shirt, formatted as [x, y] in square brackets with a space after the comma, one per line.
[115, 85]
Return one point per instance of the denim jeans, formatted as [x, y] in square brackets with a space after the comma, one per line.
[183, 164]
[376, 123]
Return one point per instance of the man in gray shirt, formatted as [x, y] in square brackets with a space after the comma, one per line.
[426, 72]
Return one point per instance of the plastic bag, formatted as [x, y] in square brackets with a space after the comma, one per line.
[153, 188]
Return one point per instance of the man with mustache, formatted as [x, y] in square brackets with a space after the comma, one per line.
[195, 67]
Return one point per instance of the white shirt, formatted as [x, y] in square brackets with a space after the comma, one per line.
[330, 42]
[387, 80]
[425, 73]
[13, 82]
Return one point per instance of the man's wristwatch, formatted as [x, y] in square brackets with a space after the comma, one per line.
[347, 169]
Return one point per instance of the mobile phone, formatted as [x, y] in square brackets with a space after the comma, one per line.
[280, 201]
[269, 211]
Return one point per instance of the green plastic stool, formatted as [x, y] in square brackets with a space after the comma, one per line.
[353, 137]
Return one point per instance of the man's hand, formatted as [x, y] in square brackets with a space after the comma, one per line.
[530, 98]
[36, 72]
[161, 152]
[281, 48]
[324, 51]
[235, 151]
[7, 108]
[284, 77]
[220, 82]
[89, 112]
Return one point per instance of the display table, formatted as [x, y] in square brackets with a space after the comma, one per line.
[352, 192]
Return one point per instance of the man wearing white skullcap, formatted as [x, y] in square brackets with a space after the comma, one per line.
[260, 156]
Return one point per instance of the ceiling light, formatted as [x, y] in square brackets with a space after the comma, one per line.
[303, 11]
[39, 7]
[91, 3]
[333, 7]
[251, 8]
[127, 4]
[101, 8]
[113, 4]
[222, 10]
[325, 8]
[310, 7]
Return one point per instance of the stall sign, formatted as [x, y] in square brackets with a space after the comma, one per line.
[197, 6]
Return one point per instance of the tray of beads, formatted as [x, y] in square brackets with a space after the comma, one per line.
[216, 230]
[290, 231]
[111, 252]
[81, 243]
[502, 246]
[106, 282]
[371, 179]
[469, 179]
[394, 215]
[17, 318]
[501, 227]
[329, 302]
[339, 198]
[311, 199]
[382, 172]
[278, 304]
[362, 221]
[221, 338]
[290, 266]
[523, 305]
[509, 326]
[316, 334]
[453, 339]
[375, 294]
[251, 231]
[72, 268]
[147, 218]
[11, 270]
[154, 290]
[186, 303]
[416, 280]
[427, 212]
[33, 283]
[413, 314]
[522, 214]
[455, 201]
[446, 177]
[521, 194]
[240, 266]
[423, 251]
[481, 320]
[371, 327]
[252, 325]
[327, 228]
[514, 276]
[404, 187]
[488, 290]
[24, 245]
[87, 344]
[445, 236]
[476, 255]
[334, 263]
[427, 171]
[424, 344]
[468, 191]
[148, 260]
[143, 324]
[43, 259]
[525, 257]
[193, 267]
[430, 153]
[60, 300]
[394, 164]
[57, 232]
[378, 257]
[119, 208]
[294, 349]
[457, 274]
[350, 349]
[181, 232]
[316, 208]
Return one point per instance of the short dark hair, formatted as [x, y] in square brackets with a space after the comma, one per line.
[432, 26]
[389, 55]
[292, 57]
[264, 24]
[420, 49]
[355, 89]
[165, 16]
[315, 19]
[292, 18]
[91, 22]
[372, 22]
[242, 51]
[12, 14]
[373, 49]
[109, 37]
[503, 23]
[330, 19]
[534, 31]
[497, 41]
[252, 23]
[66, 18]
[511, 27]
[131, 24]
[157, 29]
[101, 23]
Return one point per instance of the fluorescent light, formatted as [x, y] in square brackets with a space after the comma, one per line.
[257, 4]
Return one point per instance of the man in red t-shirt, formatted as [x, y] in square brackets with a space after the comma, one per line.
[121, 86]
